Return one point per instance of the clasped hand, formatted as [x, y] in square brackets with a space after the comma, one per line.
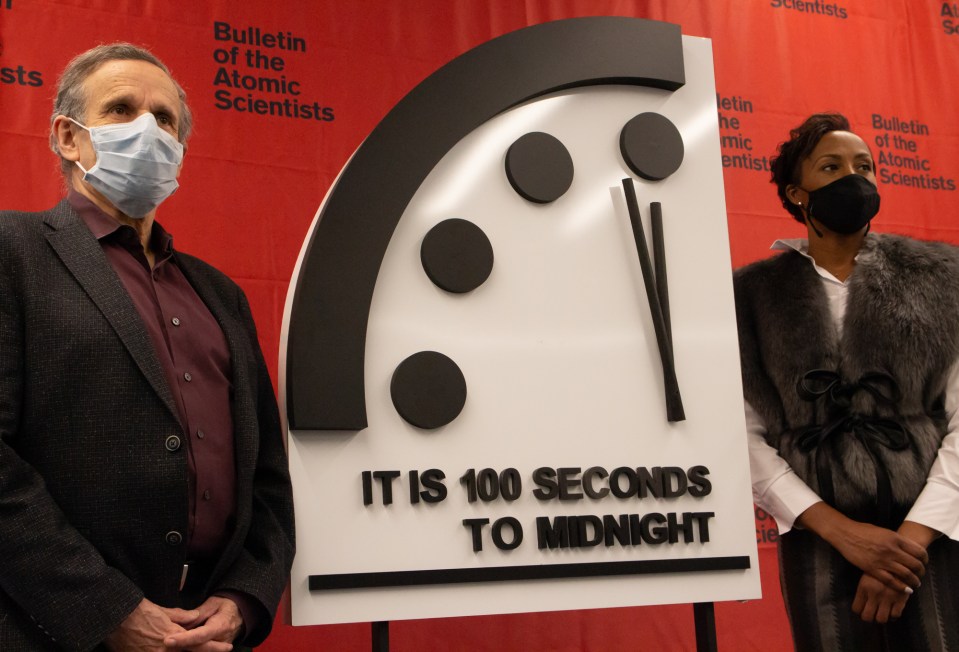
[892, 559]
[209, 628]
[892, 566]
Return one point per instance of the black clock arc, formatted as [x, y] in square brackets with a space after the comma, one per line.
[326, 339]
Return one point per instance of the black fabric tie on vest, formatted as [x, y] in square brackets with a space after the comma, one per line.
[871, 431]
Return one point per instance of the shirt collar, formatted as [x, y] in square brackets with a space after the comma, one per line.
[102, 225]
[801, 247]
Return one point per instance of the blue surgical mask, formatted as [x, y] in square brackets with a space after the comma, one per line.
[137, 164]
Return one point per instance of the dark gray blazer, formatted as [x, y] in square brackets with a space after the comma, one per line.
[89, 492]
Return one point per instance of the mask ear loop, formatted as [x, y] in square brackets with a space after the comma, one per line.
[77, 123]
[82, 126]
[809, 220]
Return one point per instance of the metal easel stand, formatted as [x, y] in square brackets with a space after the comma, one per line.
[381, 636]
[705, 618]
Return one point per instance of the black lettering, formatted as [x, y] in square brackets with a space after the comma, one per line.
[476, 530]
[650, 484]
[589, 530]
[545, 478]
[223, 100]
[510, 484]
[367, 488]
[675, 526]
[221, 31]
[699, 484]
[617, 530]
[435, 490]
[673, 481]
[385, 479]
[653, 528]
[702, 518]
[568, 480]
[632, 482]
[552, 534]
[497, 532]
[414, 487]
[588, 488]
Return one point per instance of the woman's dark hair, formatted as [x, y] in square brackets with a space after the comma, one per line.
[802, 141]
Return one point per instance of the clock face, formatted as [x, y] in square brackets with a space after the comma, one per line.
[509, 334]
[513, 279]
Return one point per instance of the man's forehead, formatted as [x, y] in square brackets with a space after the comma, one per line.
[130, 77]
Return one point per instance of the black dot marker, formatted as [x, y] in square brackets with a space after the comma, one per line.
[457, 255]
[539, 167]
[428, 390]
[651, 146]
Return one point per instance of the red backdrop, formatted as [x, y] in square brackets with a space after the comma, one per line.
[283, 93]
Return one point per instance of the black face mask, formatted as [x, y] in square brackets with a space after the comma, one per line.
[845, 205]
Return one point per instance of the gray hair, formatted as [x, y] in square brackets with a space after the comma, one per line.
[71, 101]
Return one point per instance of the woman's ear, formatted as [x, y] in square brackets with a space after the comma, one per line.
[795, 194]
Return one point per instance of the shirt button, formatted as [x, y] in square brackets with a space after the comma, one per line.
[200, 434]
[173, 443]
[206, 495]
[174, 538]
[175, 321]
[187, 377]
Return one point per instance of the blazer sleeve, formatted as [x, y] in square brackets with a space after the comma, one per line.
[58, 580]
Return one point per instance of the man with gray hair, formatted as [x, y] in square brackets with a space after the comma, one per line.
[145, 501]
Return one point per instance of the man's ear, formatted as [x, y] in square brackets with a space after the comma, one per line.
[65, 134]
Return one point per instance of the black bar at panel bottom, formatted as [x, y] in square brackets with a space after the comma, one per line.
[512, 573]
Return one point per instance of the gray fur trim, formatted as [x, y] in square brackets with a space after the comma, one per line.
[902, 319]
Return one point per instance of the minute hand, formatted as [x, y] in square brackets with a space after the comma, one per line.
[658, 305]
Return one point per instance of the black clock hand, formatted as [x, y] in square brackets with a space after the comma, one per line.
[657, 296]
[659, 262]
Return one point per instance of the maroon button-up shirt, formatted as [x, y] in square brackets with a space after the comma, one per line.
[195, 358]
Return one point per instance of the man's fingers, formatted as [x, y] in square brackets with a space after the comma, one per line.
[209, 646]
[182, 617]
[195, 639]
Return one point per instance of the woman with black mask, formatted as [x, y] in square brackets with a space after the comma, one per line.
[849, 342]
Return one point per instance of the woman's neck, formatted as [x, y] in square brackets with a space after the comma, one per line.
[835, 252]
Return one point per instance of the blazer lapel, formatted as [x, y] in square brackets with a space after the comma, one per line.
[83, 256]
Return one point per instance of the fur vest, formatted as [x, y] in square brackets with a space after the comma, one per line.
[858, 415]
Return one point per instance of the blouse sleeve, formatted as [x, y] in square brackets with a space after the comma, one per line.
[776, 487]
[938, 504]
